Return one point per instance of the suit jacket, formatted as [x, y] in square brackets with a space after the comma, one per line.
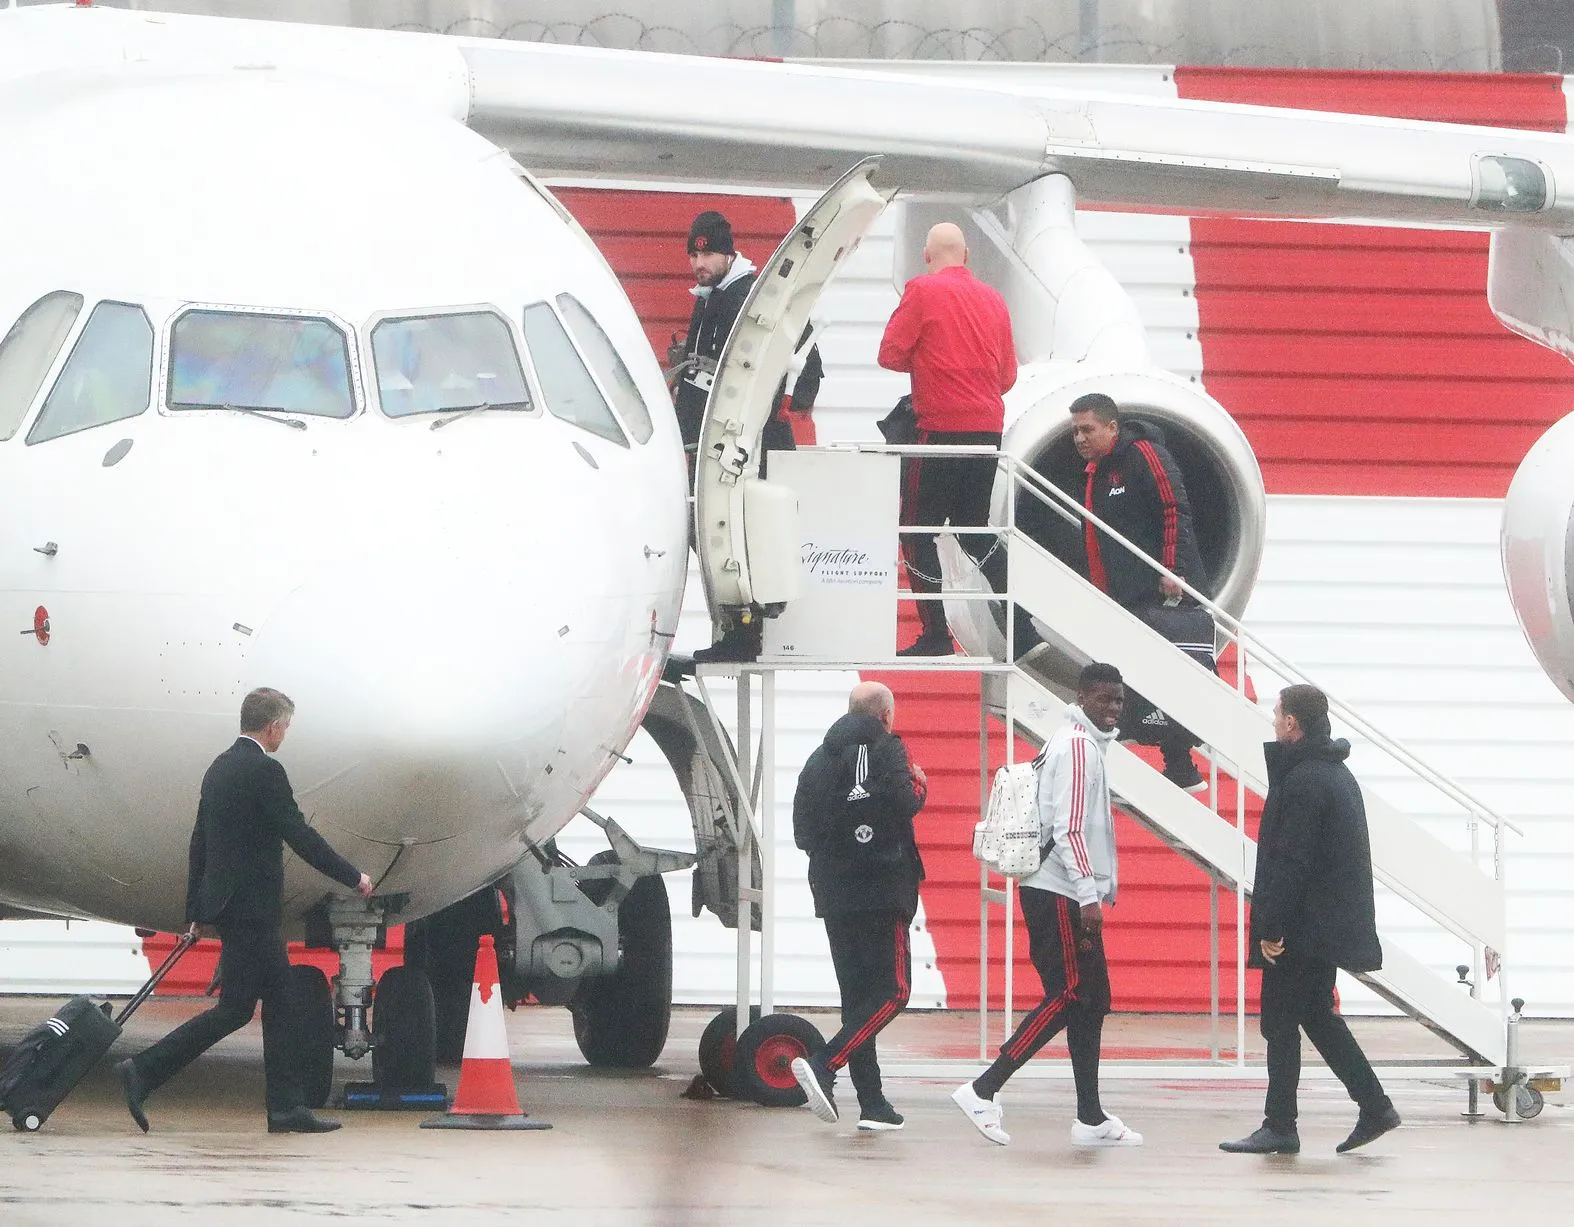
[246, 815]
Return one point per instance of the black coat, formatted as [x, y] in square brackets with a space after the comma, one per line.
[710, 324]
[1138, 491]
[853, 814]
[1314, 861]
[247, 813]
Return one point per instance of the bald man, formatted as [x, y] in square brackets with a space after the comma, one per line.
[853, 814]
[952, 334]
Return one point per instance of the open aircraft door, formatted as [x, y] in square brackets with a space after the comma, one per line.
[745, 529]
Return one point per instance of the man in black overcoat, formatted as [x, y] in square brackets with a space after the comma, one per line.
[245, 816]
[1312, 913]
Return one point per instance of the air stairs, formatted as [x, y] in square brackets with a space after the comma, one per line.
[1439, 882]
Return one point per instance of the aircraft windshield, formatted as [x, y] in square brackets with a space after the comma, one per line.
[447, 363]
[248, 360]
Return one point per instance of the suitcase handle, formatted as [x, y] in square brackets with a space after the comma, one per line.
[182, 944]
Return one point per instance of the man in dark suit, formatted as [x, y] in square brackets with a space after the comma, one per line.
[247, 813]
[1312, 913]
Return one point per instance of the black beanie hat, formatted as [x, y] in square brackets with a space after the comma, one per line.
[711, 232]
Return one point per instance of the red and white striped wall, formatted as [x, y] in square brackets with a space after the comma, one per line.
[1388, 410]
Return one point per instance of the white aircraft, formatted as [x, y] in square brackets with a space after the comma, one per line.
[309, 383]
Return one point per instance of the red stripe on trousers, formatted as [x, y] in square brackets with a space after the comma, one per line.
[886, 1012]
[1052, 1009]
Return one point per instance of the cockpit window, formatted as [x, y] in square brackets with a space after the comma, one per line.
[447, 363]
[108, 377]
[608, 365]
[566, 383]
[29, 350]
[250, 360]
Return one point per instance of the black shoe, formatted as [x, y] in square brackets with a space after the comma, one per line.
[929, 645]
[738, 645]
[880, 1117]
[299, 1120]
[1266, 1141]
[1370, 1128]
[136, 1091]
[1184, 775]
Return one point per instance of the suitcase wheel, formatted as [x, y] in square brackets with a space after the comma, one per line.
[27, 1122]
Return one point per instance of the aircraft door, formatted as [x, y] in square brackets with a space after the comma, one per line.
[732, 506]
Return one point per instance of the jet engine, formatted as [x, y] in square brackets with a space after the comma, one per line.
[1538, 551]
[1223, 483]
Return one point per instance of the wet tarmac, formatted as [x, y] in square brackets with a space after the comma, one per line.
[626, 1149]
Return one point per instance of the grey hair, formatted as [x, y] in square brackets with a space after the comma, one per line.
[262, 707]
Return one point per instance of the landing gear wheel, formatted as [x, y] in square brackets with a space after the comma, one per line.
[1527, 1101]
[621, 1020]
[762, 1068]
[718, 1048]
[319, 1032]
[404, 1030]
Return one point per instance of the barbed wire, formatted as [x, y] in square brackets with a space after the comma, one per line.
[849, 38]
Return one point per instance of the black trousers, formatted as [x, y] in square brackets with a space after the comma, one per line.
[873, 958]
[1298, 995]
[1075, 974]
[255, 967]
[948, 488]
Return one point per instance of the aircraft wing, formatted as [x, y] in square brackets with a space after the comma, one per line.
[588, 112]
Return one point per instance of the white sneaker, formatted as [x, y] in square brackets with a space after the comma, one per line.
[819, 1101]
[985, 1114]
[1111, 1133]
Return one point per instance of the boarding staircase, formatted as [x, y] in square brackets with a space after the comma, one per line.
[1441, 883]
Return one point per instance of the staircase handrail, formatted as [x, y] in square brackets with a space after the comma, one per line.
[1020, 473]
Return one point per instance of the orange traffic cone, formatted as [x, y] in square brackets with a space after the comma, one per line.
[486, 1098]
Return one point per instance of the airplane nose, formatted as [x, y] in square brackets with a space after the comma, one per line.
[433, 654]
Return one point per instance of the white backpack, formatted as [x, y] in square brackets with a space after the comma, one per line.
[1007, 840]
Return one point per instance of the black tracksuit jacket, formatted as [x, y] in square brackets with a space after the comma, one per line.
[853, 814]
[1138, 491]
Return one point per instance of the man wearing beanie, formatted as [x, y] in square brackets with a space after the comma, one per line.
[722, 281]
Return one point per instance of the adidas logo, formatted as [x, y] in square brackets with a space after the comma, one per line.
[860, 773]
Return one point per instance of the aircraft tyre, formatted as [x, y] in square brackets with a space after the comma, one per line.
[718, 1048]
[762, 1068]
[404, 1030]
[621, 1020]
[319, 1032]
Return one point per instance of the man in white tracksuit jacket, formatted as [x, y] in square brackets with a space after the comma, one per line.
[1062, 906]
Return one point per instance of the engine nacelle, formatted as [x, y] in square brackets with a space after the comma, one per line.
[1223, 482]
[1538, 551]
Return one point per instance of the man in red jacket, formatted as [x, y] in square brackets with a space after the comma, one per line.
[952, 333]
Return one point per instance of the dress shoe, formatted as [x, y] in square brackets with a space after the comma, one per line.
[738, 645]
[299, 1120]
[929, 645]
[1370, 1128]
[136, 1091]
[1266, 1141]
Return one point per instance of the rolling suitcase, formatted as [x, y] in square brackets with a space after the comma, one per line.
[56, 1055]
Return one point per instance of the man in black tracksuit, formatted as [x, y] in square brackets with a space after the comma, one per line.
[1312, 913]
[1133, 484]
[722, 281]
[853, 814]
